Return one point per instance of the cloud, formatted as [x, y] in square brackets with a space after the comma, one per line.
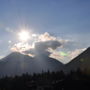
[55, 54]
[39, 45]
[46, 37]
[47, 45]
[2, 57]
[75, 53]
[42, 47]
[20, 47]
[9, 30]
[9, 41]
[66, 56]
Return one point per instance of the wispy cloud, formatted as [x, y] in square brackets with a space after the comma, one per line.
[1, 57]
[75, 53]
[7, 29]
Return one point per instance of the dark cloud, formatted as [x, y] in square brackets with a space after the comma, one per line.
[41, 47]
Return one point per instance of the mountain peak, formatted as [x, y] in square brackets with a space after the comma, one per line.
[17, 63]
[88, 48]
[82, 61]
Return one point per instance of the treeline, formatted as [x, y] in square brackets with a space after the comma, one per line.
[47, 81]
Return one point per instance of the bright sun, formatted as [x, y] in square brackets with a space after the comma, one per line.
[24, 36]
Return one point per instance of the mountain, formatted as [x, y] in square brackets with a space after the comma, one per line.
[80, 62]
[17, 63]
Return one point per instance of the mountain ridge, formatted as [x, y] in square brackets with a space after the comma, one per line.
[82, 61]
[17, 63]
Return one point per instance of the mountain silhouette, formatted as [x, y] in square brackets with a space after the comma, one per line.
[17, 64]
[80, 62]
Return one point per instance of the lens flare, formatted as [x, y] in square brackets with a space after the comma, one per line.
[63, 54]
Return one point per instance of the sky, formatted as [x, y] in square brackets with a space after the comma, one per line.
[66, 21]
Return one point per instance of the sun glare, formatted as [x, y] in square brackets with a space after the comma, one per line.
[24, 36]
